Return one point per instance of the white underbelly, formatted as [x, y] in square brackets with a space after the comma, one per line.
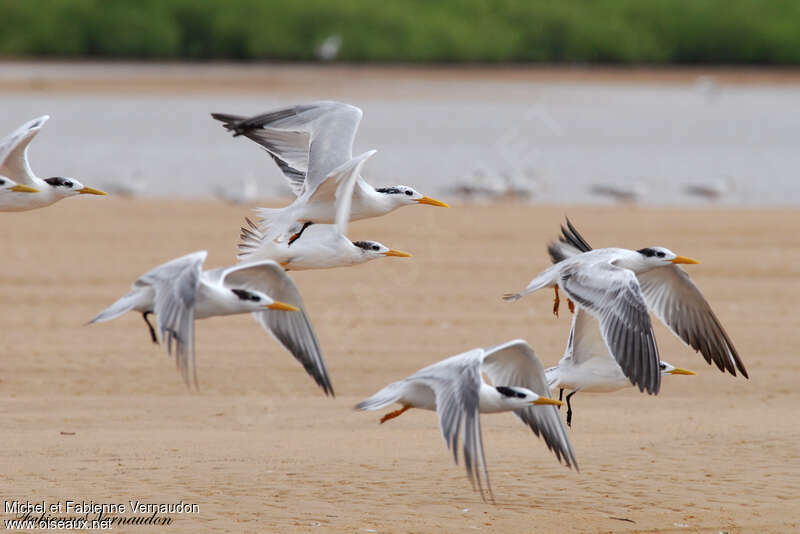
[25, 201]
[593, 379]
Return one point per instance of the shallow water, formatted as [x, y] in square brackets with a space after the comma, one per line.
[555, 139]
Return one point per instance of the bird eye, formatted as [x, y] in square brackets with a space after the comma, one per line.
[662, 366]
[2, 182]
[660, 254]
[68, 183]
[375, 247]
[255, 298]
[409, 193]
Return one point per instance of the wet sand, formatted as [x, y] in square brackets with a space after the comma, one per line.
[99, 413]
[302, 80]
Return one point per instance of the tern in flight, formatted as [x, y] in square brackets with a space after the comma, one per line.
[322, 246]
[14, 165]
[455, 389]
[179, 291]
[588, 367]
[619, 287]
[308, 141]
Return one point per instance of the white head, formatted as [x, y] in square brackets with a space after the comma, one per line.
[372, 249]
[253, 301]
[9, 185]
[517, 397]
[67, 187]
[669, 369]
[402, 195]
[650, 258]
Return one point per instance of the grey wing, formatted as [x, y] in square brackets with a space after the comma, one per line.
[585, 339]
[674, 298]
[612, 295]
[338, 188]
[332, 139]
[456, 383]
[293, 330]
[514, 363]
[175, 285]
[306, 141]
[14, 151]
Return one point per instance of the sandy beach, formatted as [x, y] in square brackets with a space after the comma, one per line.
[99, 413]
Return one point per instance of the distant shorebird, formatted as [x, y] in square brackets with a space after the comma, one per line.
[505, 186]
[14, 165]
[619, 288]
[588, 367]
[308, 142]
[329, 49]
[456, 390]
[707, 87]
[179, 291]
[711, 191]
[632, 193]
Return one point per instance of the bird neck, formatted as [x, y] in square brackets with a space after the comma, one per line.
[491, 401]
[358, 255]
[630, 259]
[212, 300]
[381, 203]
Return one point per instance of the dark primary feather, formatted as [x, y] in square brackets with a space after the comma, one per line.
[286, 134]
[293, 330]
[624, 319]
[575, 239]
[274, 141]
[675, 299]
[572, 240]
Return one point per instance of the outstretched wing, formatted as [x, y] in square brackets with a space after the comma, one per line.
[337, 188]
[514, 363]
[291, 329]
[612, 295]
[675, 299]
[456, 383]
[14, 151]
[585, 339]
[175, 285]
[306, 141]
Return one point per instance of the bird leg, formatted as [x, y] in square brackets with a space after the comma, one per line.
[556, 301]
[396, 413]
[570, 305]
[150, 326]
[569, 408]
[560, 395]
[296, 236]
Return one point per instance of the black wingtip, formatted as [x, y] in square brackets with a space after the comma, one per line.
[744, 372]
[571, 236]
[232, 123]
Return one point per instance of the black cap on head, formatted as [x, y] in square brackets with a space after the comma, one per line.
[58, 181]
